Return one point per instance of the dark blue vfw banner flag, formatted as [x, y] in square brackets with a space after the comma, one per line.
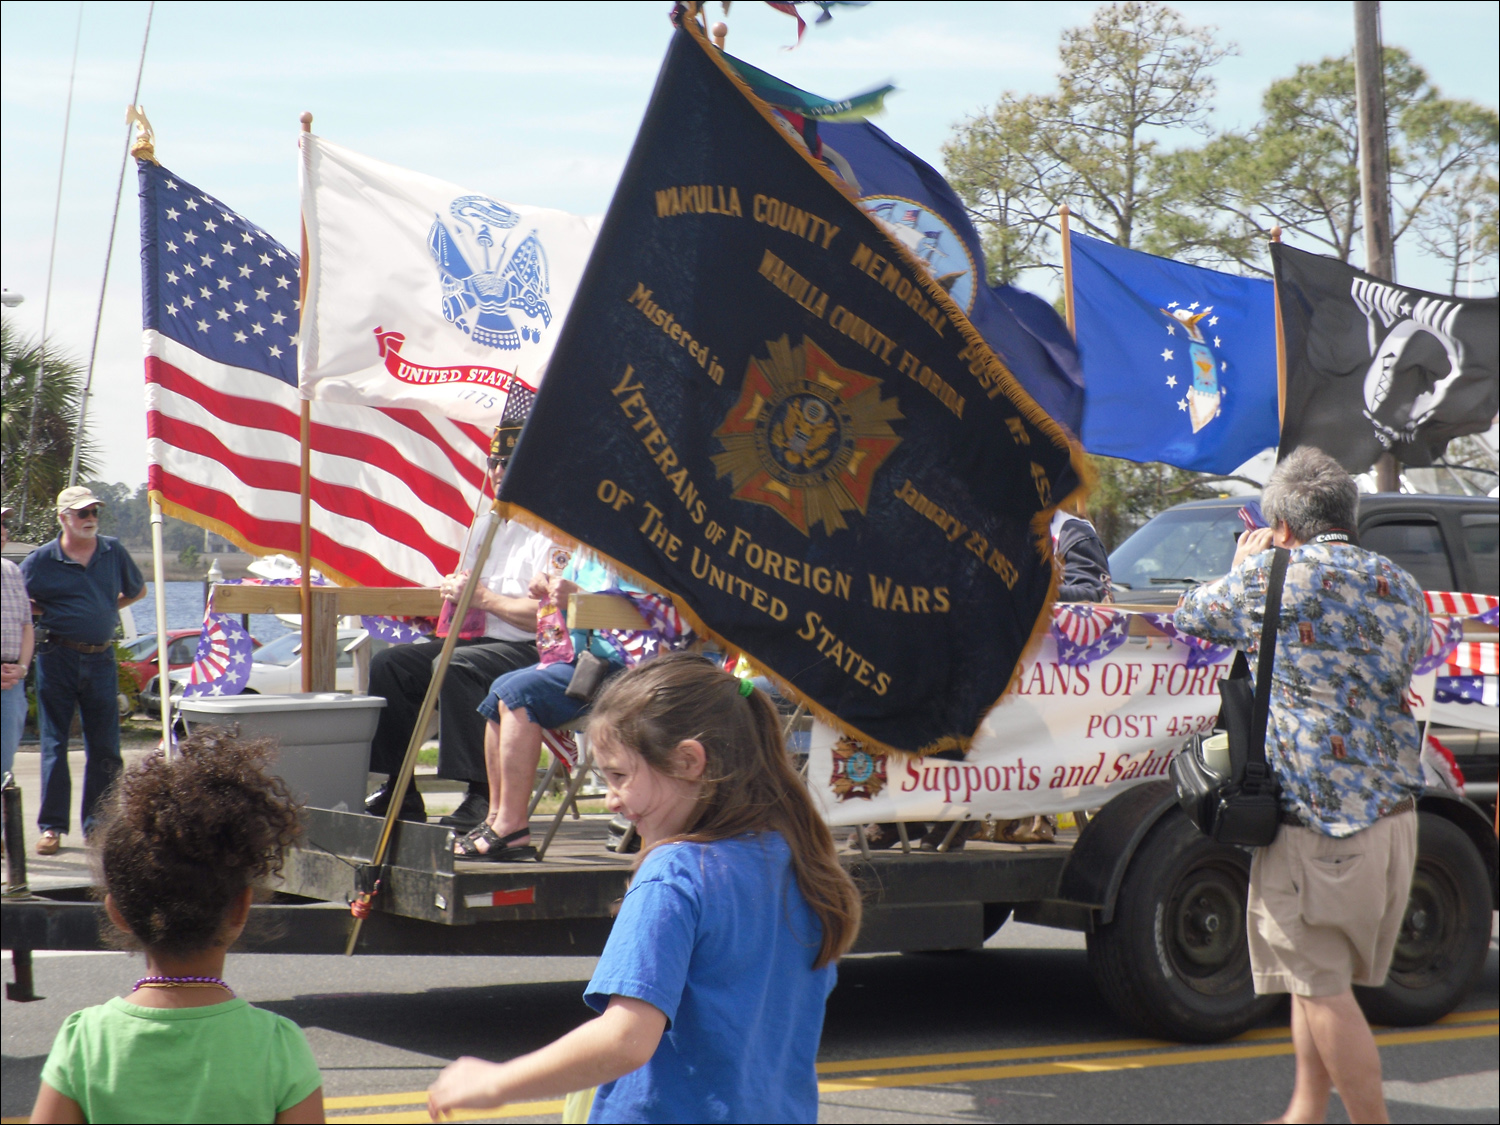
[763, 404]
[1180, 361]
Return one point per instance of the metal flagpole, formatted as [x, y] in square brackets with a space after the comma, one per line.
[1067, 253]
[1374, 174]
[109, 248]
[159, 575]
[1280, 342]
[366, 894]
[41, 371]
[305, 555]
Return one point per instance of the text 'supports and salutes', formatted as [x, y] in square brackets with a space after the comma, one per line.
[393, 490]
[426, 295]
[792, 427]
[1180, 361]
[1373, 367]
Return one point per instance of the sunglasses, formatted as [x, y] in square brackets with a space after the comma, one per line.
[86, 513]
[497, 462]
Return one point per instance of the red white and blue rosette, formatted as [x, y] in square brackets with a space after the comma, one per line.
[1085, 632]
[221, 665]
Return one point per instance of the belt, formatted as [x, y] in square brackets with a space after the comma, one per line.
[80, 646]
[1405, 805]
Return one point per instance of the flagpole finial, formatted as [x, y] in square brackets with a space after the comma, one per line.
[719, 30]
[1276, 234]
[144, 145]
[306, 119]
[1062, 209]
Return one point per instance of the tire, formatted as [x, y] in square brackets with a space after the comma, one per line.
[1175, 961]
[1445, 932]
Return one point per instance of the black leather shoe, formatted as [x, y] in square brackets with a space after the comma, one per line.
[473, 809]
[412, 807]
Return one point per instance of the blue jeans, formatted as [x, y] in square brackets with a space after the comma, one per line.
[12, 722]
[67, 681]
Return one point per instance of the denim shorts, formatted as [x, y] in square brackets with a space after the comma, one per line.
[540, 690]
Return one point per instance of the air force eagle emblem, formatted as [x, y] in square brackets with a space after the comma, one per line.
[1202, 398]
[482, 301]
[806, 436]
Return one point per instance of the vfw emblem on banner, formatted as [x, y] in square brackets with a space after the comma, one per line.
[424, 295]
[806, 436]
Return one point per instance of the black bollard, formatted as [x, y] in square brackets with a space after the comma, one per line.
[15, 840]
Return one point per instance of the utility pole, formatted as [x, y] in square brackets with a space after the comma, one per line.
[1374, 173]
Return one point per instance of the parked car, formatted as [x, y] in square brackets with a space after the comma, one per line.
[139, 656]
[1444, 542]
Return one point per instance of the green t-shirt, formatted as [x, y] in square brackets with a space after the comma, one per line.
[223, 1062]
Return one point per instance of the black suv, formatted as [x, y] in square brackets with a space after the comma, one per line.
[1444, 542]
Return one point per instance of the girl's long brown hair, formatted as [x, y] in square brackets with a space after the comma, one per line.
[748, 783]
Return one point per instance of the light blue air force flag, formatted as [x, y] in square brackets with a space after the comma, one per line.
[1179, 361]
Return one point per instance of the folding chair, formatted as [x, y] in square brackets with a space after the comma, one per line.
[573, 758]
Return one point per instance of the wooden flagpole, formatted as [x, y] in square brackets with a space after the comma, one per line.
[365, 896]
[1067, 253]
[305, 555]
[1280, 343]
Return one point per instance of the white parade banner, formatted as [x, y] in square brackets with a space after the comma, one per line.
[425, 295]
[1093, 711]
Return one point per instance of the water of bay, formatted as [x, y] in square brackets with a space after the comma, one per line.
[185, 611]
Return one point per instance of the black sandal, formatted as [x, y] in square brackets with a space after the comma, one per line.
[499, 849]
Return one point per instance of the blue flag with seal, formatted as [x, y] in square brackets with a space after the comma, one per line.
[765, 405]
[921, 210]
[1180, 360]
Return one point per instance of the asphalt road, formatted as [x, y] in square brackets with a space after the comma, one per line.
[1015, 1032]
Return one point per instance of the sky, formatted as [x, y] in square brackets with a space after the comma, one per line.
[529, 103]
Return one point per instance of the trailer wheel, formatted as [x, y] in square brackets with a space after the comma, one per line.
[1445, 934]
[1175, 961]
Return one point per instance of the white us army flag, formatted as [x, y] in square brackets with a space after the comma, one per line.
[424, 295]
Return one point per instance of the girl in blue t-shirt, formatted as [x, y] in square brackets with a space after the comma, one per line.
[712, 986]
[184, 843]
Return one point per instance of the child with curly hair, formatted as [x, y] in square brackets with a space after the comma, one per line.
[182, 849]
[712, 986]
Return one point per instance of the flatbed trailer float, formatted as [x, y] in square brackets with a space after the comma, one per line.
[1162, 906]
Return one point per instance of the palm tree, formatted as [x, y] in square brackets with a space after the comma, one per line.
[39, 476]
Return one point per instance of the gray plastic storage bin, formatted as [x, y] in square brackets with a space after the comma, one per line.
[324, 736]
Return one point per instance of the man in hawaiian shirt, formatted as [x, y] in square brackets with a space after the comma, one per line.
[1327, 897]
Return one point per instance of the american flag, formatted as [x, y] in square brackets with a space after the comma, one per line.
[393, 491]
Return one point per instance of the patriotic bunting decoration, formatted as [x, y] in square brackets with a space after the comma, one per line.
[221, 665]
[1085, 633]
[1200, 652]
[667, 631]
[1447, 632]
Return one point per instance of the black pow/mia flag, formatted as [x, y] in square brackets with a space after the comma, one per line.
[765, 405]
[1373, 367]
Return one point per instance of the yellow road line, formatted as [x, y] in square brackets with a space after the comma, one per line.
[411, 1117]
[899, 1062]
[903, 1062]
[1133, 1062]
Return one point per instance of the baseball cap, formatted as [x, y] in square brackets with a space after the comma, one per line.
[71, 499]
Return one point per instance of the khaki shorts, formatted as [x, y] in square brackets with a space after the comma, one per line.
[1324, 912]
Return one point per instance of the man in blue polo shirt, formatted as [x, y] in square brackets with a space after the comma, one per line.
[80, 581]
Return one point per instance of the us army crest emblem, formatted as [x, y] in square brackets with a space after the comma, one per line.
[806, 436]
[485, 297]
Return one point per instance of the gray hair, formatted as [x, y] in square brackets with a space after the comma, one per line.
[1311, 493]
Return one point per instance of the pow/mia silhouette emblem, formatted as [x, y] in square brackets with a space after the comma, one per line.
[806, 436]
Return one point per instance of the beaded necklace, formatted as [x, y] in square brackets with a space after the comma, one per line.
[182, 982]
